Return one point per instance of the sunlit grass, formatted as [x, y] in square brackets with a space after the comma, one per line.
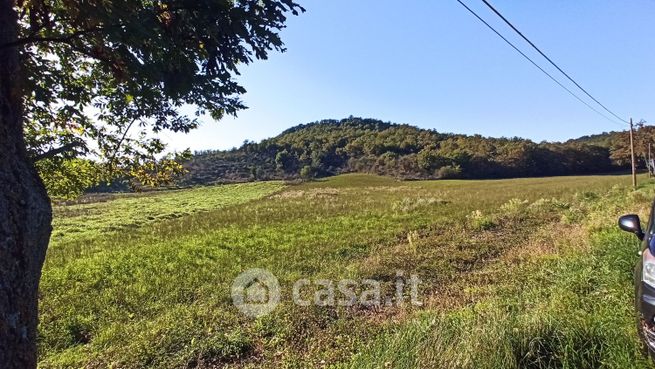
[131, 292]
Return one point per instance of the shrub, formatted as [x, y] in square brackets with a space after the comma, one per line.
[307, 172]
[449, 172]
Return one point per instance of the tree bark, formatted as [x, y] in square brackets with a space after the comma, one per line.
[25, 213]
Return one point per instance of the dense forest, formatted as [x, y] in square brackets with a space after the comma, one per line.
[403, 151]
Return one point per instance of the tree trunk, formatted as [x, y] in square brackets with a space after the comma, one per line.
[25, 213]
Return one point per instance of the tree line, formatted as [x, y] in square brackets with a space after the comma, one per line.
[331, 147]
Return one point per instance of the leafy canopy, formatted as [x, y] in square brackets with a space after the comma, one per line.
[353, 144]
[100, 73]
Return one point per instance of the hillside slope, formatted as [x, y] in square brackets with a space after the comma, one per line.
[333, 147]
[605, 139]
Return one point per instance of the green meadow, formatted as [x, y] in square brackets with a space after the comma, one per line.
[519, 273]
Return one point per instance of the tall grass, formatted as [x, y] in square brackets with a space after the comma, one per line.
[121, 291]
[567, 307]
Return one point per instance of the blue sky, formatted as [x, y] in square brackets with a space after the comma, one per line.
[429, 63]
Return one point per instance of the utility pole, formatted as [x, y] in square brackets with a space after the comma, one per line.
[650, 161]
[632, 154]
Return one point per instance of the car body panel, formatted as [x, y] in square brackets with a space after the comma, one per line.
[644, 293]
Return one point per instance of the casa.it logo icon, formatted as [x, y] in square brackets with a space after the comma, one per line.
[256, 292]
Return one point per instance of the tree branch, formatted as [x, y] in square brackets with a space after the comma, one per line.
[60, 150]
[120, 142]
[59, 39]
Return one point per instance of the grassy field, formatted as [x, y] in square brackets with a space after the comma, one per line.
[524, 273]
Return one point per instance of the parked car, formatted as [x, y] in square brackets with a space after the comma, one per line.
[644, 278]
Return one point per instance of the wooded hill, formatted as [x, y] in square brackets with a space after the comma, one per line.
[331, 147]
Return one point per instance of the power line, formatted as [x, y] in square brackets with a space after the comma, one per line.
[535, 64]
[549, 60]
